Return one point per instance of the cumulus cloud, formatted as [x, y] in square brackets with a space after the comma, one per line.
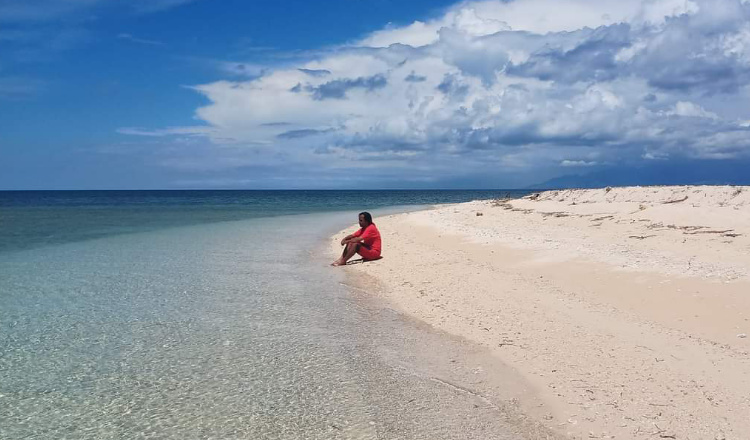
[505, 86]
[337, 89]
[688, 109]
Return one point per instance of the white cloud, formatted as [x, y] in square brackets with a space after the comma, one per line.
[489, 86]
[577, 163]
[689, 109]
[480, 18]
[416, 34]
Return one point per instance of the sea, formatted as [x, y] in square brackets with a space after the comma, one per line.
[215, 315]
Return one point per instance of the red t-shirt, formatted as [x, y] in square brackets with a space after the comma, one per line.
[370, 237]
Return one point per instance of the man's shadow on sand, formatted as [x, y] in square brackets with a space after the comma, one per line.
[362, 260]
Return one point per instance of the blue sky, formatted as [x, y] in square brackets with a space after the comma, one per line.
[367, 94]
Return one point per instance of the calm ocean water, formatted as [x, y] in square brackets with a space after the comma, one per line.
[29, 219]
[203, 314]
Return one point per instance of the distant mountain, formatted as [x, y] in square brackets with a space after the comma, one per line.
[670, 173]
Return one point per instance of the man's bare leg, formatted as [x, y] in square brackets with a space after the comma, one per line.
[349, 251]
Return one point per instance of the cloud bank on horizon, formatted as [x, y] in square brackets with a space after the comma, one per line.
[496, 87]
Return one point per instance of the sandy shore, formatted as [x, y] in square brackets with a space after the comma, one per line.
[626, 310]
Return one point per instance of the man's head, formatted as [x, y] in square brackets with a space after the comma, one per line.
[365, 219]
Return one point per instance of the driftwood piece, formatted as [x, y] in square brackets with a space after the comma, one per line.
[675, 201]
[555, 214]
[708, 232]
[687, 228]
[602, 218]
[508, 207]
[681, 228]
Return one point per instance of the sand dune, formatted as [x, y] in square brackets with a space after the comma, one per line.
[626, 309]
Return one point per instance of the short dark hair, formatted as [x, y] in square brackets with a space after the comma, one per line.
[368, 216]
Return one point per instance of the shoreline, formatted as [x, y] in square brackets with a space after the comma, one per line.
[213, 329]
[623, 308]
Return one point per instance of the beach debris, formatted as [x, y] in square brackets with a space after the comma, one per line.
[607, 189]
[509, 207]
[641, 237]
[555, 214]
[479, 214]
[603, 218]
[534, 196]
[687, 228]
[662, 432]
[742, 335]
[709, 232]
[675, 200]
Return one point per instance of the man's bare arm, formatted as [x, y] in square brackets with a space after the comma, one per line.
[349, 239]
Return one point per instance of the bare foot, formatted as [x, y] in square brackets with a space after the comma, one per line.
[337, 263]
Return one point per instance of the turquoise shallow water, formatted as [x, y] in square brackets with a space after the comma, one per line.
[210, 329]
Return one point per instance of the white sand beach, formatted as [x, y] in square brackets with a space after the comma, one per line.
[625, 310]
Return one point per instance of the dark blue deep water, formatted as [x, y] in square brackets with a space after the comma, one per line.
[34, 218]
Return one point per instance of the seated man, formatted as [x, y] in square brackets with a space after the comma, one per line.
[365, 242]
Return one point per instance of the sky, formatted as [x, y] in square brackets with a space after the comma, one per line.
[303, 94]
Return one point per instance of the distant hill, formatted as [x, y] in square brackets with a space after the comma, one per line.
[681, 173]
